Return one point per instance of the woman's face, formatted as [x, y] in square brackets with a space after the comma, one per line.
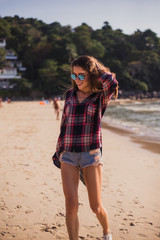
[81, 84]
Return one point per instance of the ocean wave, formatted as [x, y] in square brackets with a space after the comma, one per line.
[143, 109]
[142, 118]
[135, 127]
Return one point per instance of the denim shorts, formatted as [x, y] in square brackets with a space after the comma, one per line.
[82, 159]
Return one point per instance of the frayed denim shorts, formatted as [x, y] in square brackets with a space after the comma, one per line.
[82, 159]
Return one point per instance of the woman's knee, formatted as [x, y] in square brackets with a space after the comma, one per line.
[97, 209]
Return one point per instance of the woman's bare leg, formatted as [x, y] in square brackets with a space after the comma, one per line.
[92, 176]
[70, 180]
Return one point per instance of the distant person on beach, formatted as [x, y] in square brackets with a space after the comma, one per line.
[56, 106]
[79, 146]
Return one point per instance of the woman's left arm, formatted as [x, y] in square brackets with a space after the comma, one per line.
[109, 85]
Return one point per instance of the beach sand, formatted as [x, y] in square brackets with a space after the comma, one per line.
[31, 196]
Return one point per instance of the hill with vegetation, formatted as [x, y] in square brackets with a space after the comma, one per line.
[47, 50]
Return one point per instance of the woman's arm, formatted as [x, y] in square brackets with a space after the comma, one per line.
[109, 85]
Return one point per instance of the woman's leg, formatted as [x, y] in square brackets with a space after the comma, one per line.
[70, 180]
[92, 176]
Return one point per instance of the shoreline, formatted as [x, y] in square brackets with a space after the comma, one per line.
[121, 101]
[145, 142]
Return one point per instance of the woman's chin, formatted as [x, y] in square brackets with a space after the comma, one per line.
[80, 86]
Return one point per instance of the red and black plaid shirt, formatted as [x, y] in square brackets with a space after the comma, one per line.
[81, 122]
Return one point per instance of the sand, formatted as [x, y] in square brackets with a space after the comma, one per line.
[31, 196]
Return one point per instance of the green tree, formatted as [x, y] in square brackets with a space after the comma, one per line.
[49, 78]
[150, 70]
[97, 49]
[4, 28]
[64, 82]
[82, 39]
[2, 57]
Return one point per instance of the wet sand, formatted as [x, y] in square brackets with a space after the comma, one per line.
[145, 142]
[31, 196]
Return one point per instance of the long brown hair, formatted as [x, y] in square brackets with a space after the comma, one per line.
[95, 69]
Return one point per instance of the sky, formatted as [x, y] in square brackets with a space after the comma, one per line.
[127, 15]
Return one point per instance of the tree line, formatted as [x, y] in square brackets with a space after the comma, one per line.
[47, 50]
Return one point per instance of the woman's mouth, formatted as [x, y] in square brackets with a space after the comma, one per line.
[79, 84]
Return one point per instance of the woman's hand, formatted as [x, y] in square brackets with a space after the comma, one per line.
[100, 70]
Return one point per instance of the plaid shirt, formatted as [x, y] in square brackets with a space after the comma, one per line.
[81, 122]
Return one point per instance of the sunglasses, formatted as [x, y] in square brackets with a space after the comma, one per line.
[80, 77]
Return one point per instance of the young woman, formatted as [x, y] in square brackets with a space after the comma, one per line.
[80, 141]
[56, 106]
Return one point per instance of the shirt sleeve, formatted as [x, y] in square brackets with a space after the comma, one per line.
[62, 118]
[56, 155]
[109, 84]
[62, 133]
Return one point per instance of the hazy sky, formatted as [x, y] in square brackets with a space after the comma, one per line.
[127, 15]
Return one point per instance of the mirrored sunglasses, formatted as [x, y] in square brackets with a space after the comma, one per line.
[80, 77]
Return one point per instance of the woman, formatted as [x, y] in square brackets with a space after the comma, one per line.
[56, 107]
[80, 141]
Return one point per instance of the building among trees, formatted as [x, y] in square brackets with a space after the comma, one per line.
[10, 67]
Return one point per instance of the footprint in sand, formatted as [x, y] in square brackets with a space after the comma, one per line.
[45, 197]
[157, 235]
[132, 224]
[121, 210]
[3, 234]
[119, 202]
[89, 236]
[11, 216]
[28, 211]
[16, 227]
[124, 230]
[136, 201]
[117, 215]
[142, 235]
[60, 214]
[130, 214]
[49, 228]
[20, 195]
[18, 207]
[3, 205]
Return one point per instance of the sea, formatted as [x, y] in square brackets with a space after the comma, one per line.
[142, 118]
